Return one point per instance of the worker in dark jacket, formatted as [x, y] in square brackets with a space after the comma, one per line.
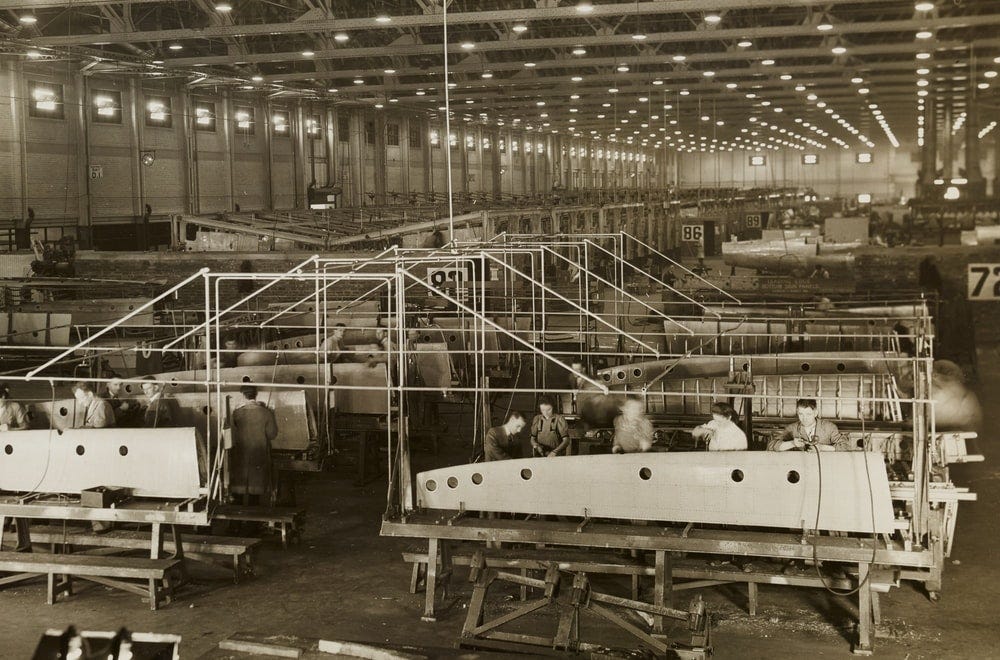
[159, 411]
[254, 428]
[501, 441]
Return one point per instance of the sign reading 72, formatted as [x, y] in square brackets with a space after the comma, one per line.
[984, 282]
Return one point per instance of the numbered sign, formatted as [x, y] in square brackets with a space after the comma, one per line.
[96, 171]
[692, 233]
[984, 281]
[753, 221]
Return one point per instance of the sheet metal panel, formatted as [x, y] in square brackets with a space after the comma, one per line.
[766, 489]
[161, 463]
[359, 402]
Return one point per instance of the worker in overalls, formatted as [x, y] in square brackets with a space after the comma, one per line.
[549, 431]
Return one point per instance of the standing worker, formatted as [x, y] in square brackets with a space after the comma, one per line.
[98, 413]
[254, 428]
[549, 431]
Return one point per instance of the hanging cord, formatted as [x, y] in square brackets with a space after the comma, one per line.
[819, 504]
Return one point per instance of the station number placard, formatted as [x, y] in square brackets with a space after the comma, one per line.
[753, 220]
[693, 233]
[984, 282]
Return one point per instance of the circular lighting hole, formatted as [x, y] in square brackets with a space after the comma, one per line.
[620, 375]
[737, 475]
[301, 380]
[645, 473]
[841, 366]
[793, 477]
[247, 379]
[636, 373]
[431, 485]
[452, 482]
[526, 474]
[80, 450]
[805, 366]
[63, 411]
[123, 451]
[8, 449]
[477, 478]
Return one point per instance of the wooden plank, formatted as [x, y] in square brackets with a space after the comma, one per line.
[122, 567]
[119, 538]
[768, 489]
[288, 515]
[160, 463]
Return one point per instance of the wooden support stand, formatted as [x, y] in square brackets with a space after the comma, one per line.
[288, 520]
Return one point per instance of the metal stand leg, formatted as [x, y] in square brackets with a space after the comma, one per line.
[752, 598]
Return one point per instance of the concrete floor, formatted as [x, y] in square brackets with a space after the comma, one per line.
[345, 582]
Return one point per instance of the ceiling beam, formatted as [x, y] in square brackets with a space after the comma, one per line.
[75, 4]
[569, 42]
[429, 20]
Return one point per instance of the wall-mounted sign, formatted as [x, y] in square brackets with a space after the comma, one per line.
[984, 282]
[692, 233]
[96, 172]
[753, 220]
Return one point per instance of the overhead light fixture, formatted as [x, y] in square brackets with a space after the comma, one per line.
[519, 28]
[382, 18]
[983, 85]
[745, 43]
[389, 71]
[684, 92]
[529, 65]
[359, 81]
[657, 82]
[486, 75]
[838, 50]
[584, 7]
[708, 74]
[731, 85]
[333, 90]
[924, 6]
[223, 7]
[612, 90]
[175, 46]
[924, 34]
[825, 26]
[786, 76]
[468, 45]
[340, 37]
[579, 50]
[638, 37]
[307, 53]
[990, 74]
[767, 62]
[713, 19]
[33, 54]
[679, 58]
[923, 56]
[863, 90]
[576, 78]
[257, 78]
[574, 97]
[27, 19]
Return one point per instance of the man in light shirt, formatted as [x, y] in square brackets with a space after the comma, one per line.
[721, 433]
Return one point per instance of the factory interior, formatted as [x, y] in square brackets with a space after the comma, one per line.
[399, 329]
